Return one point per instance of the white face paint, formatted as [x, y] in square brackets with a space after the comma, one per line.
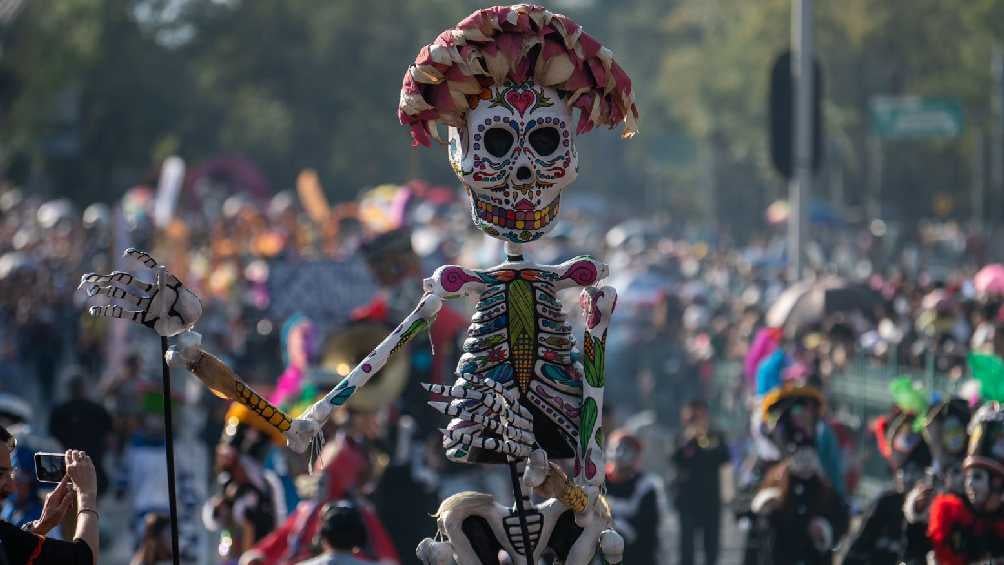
[515, 155]
[977, 484]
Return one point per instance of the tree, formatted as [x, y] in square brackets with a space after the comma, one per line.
[716, 72]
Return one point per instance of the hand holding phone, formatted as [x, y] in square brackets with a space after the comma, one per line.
[57, 504]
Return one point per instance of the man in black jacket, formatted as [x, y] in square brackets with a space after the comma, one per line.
[698, 457]
[28, 545]
[82, 424]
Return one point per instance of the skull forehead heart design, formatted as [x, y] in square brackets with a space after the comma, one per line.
[515, 154]
[520, 99]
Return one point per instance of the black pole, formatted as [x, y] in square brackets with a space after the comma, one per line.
[517, 494]
[169, 436]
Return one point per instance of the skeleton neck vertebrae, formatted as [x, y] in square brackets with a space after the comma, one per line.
[513, 252]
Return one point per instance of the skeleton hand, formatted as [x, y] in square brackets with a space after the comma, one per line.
[494, 409]
[168, 308]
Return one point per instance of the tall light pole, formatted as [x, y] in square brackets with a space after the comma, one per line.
[800, 185]
[996, 133]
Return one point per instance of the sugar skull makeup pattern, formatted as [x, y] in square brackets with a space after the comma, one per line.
[515, 156]
[977, 486]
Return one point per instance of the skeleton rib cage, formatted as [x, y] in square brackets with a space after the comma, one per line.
[520, 339]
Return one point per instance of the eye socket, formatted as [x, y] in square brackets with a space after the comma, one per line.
[498, 141]
[545, 140]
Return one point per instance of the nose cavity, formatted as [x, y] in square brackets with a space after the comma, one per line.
[523, 173]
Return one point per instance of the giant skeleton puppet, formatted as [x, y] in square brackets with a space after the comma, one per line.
[505, 81]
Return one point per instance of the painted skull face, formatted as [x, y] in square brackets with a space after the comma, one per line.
[977, 486]
[515, 155]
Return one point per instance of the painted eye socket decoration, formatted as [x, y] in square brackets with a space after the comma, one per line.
[545, 140]
[498, 141]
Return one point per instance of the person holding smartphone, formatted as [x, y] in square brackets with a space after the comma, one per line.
[28, 545]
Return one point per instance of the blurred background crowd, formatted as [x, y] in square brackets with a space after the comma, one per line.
[285, 292]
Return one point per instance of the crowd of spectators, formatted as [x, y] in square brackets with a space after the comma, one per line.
[688, 304]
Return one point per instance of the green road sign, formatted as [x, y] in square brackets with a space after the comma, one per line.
[904, 117]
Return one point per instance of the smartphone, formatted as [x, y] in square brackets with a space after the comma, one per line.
[50, 467]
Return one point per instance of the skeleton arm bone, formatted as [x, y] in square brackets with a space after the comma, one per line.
[219, 378]
[449, 281]
[597, 305]
[420, 318]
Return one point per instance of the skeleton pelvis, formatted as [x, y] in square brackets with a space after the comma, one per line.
[478, 527]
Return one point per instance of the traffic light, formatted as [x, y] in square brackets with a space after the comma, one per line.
[781, 114]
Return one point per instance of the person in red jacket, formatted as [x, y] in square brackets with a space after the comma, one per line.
[344, 471]
[970, 529]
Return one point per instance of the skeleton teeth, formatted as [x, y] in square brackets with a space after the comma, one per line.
[516, 219]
